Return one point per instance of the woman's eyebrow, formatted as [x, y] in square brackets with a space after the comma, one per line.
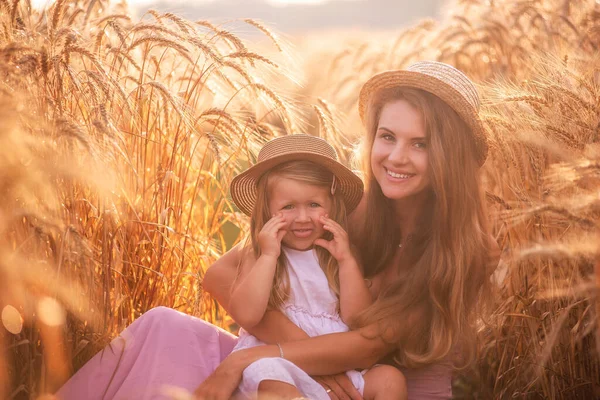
[383, 128]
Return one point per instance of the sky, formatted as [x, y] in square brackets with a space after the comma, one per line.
[301, 16]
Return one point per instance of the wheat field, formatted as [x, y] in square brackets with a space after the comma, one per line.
[119, 137]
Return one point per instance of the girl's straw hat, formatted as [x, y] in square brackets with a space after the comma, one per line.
[441, 80]
[291, 148]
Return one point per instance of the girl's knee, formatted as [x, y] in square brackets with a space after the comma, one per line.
[390, 373]
[271, 389]
[389, 380]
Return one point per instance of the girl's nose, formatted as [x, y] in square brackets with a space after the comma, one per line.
[302, 215]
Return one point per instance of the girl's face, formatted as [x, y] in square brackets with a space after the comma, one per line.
[301, 205]
[399, 156]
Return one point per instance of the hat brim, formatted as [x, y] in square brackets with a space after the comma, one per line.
[243, 187]
[435, 86]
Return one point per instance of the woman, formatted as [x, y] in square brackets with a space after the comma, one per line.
[421, 232]
[422, 236]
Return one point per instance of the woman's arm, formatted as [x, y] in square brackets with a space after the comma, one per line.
[327, 354]
[274, 327]
[321, 355]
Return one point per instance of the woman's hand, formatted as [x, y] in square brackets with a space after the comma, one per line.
[222, 383]
[339, 386]
[269, 237]
[339, 246]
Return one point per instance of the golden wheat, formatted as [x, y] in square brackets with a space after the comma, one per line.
[124, 134]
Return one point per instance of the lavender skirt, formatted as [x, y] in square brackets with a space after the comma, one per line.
[164, 353]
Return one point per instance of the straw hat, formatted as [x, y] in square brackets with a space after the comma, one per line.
[291, 148]
[441, 80]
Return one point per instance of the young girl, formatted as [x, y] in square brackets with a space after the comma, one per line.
[300, 262]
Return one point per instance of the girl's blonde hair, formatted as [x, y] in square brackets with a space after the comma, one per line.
[432, 313]
[312, 174]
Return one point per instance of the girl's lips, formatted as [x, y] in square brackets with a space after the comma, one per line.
[302, 233]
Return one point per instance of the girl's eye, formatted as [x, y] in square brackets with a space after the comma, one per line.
[288, 207]
[315, 205]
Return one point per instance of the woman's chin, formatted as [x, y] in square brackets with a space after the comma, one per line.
[396, 192]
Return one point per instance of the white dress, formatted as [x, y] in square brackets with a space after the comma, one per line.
[312, 306]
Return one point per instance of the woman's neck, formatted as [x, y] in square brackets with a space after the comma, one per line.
[407, 212]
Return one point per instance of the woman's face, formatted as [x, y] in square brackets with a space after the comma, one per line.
[399, 156]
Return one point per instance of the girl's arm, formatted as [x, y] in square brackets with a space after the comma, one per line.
[355, 296]
[274, 327]
[354, 293]
[251, 290]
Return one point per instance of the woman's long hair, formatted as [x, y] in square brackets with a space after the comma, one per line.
[431, 313]
[312, 174]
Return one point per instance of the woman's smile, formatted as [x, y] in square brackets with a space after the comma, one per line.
[398, 176]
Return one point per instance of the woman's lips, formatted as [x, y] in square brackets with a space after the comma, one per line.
[398, 176]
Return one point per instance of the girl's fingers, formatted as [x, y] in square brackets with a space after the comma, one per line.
[274, 223]
[280, 234]
[330, 221]
[324, 244]
[275, 219]
[337, 231]
[339, 235]
[280, 227]
[333, 226]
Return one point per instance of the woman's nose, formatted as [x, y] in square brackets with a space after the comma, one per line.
[399, 154]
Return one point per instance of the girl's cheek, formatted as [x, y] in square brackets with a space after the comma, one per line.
[288, 216]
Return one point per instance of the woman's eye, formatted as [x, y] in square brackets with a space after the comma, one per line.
[387, 137]
[421, 145]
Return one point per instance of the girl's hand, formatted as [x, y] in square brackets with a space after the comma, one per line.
[222, 383]
[339, 246]
[339, 386]
[269, 238]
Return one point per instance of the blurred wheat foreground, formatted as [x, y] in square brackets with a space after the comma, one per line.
[119, 138]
